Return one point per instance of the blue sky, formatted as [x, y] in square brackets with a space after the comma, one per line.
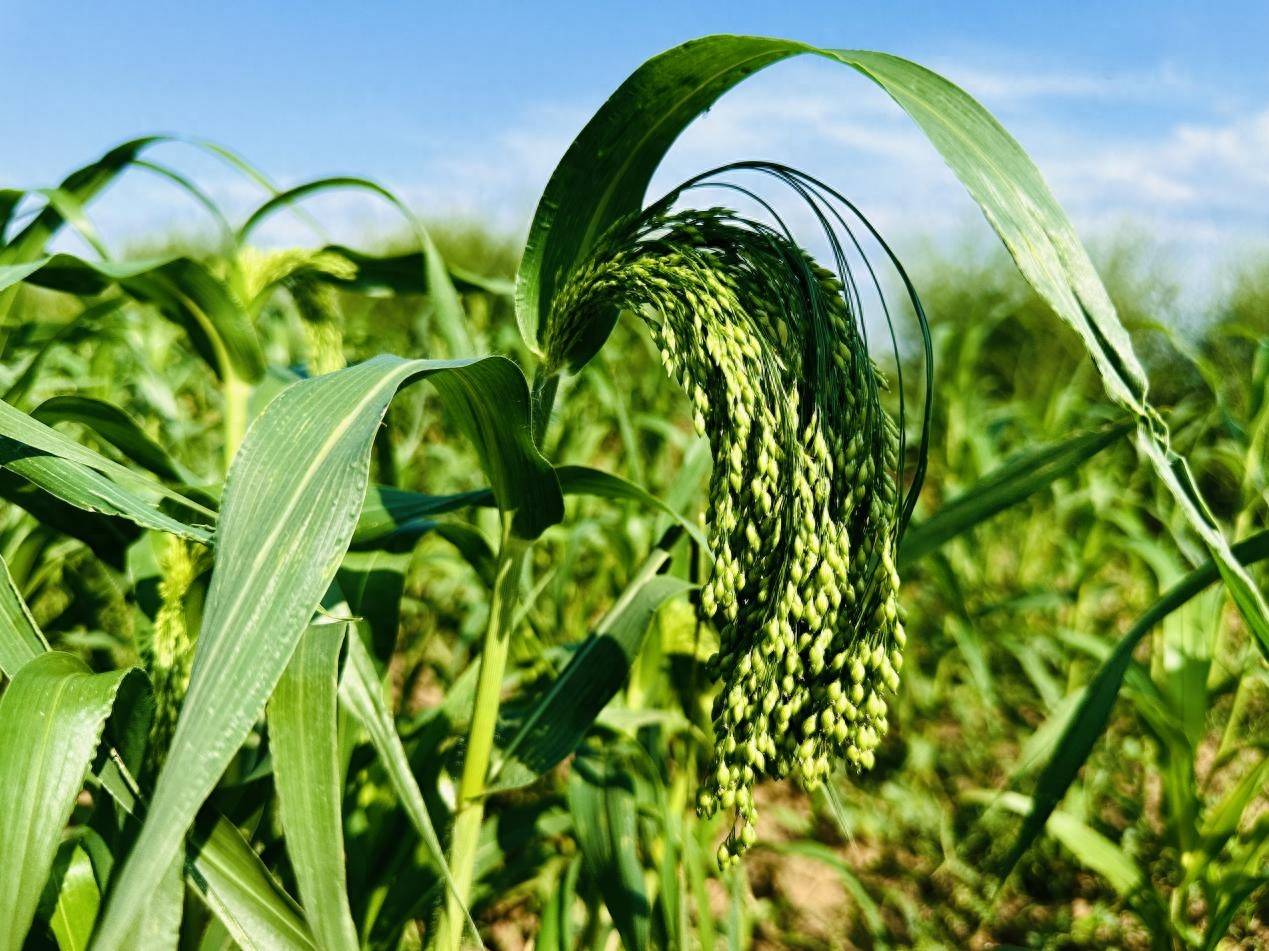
[1152, 117]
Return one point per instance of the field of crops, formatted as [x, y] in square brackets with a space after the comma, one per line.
[677, 578]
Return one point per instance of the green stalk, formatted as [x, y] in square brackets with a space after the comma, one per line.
[545, 386]
[470, 808]
[236, 392]
[471, 788]
[1251, 472]
[6, 305]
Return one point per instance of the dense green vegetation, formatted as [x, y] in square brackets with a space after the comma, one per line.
[296, 654]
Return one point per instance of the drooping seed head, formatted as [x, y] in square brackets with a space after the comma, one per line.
[804, 512]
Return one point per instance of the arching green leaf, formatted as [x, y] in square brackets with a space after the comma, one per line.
[87, 479]
[558, 720]
[51, 719]
[1018, 479]
[389, 512]
[605, 173]
[449, 311]
[82, 185]
[289, 509]
[182, 289]
[229, 875]
[78, 898]
[20, 638]
[360, 693]
[241, 892]
[601, 797]
[114, 426]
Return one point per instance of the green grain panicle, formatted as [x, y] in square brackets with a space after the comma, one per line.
[803, 500]
[169, 655]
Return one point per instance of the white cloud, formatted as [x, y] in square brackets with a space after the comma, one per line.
[1025, 83]
[1198, 186]
[1194, 180]
[499, 181]
[1208, 178]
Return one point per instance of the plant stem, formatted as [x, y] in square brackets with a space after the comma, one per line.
[470, 807]
[652, 566]
[471, 788]
[1229, 735]
[236, 391]
[545, 386]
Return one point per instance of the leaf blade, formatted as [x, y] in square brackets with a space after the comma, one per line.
[289, 511]
[224, 868]
[113, 425]
[359, 691]
[560, 718]
[1017, 479]
[1091, 714]
[309, 782]
[20, 639]
[51, 719]
[601, 798]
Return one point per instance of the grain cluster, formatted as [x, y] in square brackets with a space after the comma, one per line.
[803, 502]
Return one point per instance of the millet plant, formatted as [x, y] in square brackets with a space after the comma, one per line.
[765, 345]
[224, 752]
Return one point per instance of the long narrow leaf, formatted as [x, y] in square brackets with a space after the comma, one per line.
[78, 898]
[82, 185]
[1016, 480]
[181, 288]
[89, 490]
[389, 512]
[1088, 845]
[360, 693]
[10, 198]
[306, 772]
[68, 206]
[20, 639]
[583, 480]
[406, 274]
[290, 507]
[449, 310]
[241, 892]
[1089, 719]
[51, 719]
[556, 723]
[230, 876]
[160, 927]
[28, 433]
[107, 536]
[114, 426]
[602, 800]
